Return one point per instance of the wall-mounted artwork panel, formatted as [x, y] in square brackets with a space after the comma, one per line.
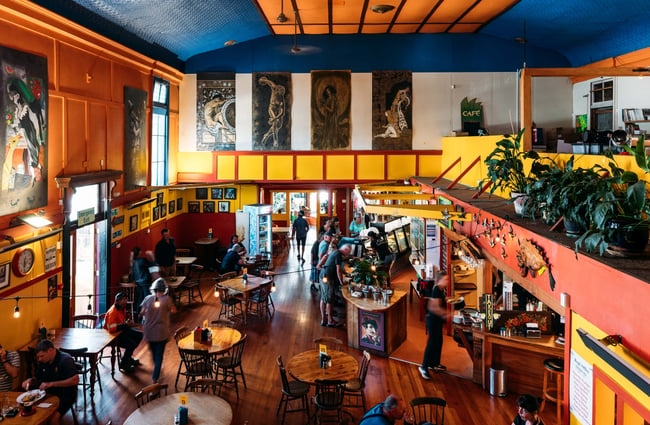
[271, 111]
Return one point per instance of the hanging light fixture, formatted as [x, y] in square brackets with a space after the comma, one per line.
[17, 309]
[282, 18]
[216, 291]
[156, 303]
[295, 48]
[90, 305]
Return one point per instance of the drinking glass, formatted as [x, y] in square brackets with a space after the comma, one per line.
[6, 406]
[409, 418]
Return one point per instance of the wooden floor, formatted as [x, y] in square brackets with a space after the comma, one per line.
[295, 324]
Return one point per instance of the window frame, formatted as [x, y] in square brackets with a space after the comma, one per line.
[160, 107]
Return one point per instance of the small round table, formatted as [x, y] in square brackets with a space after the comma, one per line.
[222, 340]
[305, 366]
[203, 409]
[41, 415]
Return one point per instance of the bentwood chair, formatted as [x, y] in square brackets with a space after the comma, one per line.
[196, 363]
[329, 399]
[331, 343]
[429, 409]
[229, 304]
[355, 387]
[82, 363]
[223, 323]
[178, 335]
[150, 393]
[292, 391]
[205, 385]
[192, 285]
[258, 303]
[228, 365]
[85, 321]
[128, 289]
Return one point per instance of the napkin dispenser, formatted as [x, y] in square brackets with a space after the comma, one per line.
[532, 330]
[182, 415]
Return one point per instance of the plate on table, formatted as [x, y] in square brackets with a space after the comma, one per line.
[356, 294]
[30, 397]
[455, 300]
[173, 279]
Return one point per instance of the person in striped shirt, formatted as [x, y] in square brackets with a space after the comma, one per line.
[9, 368]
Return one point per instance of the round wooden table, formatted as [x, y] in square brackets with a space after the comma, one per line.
[222, 340]
[42, 414]
[305, 367]
[203, 409]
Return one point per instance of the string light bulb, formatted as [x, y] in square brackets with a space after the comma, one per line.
[17, 309]
[90, 305]
[273, 288]
[156, 303]
[373, 268]
[216, 291]
[324, 279]
[416, 262]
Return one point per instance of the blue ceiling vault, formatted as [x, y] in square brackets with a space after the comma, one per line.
[180, 31]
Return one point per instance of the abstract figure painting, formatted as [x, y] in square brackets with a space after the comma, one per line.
[215, 112]
[392, 100]
[330, 110]
[135, 138]
[271, 111]
[23, 132]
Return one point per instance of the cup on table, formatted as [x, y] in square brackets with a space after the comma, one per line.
[6, 405]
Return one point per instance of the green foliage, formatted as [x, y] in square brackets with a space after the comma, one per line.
[368, 272]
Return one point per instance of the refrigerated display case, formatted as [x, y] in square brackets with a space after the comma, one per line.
[260, 237]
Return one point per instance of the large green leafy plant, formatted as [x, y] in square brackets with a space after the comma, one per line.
[368, 272]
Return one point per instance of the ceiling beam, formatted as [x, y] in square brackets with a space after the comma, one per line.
[362, 18]
[437, 212]
[426, 18]
[296, 16]
[469, 9]
[399, 197]
[395, 15]
[514, 3]
[619, 71]
[266, 19]
[329, 15]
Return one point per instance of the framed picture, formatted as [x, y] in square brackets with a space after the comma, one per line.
[155, 211]
[194, 207]
[160, 198]
[163, 210]
[224, 206]
[5, 275]
[231, 193]
[179, 204]
[146, 214]
[118, 220]
[172, 207]
[371, 330]
[216, 193]
[133, 223]
[202, 193]
[208, 206]
[51, 288]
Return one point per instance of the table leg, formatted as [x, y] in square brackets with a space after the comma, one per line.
[93, 376]
[113, 348]
[245, 306]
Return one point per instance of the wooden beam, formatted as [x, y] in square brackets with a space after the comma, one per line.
[618, 71]
[436, 212]
[395, 15]
[296, 16]
[362, 18]
[266, 18]
[426, 18]
[400, 196]
[399, 189]
[329, 15]
[469, 9]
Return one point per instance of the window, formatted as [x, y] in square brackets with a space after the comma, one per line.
[160, 132]
[602, 93]
[84, 197]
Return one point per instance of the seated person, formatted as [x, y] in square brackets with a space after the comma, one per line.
[233, 262]
[129, 338]
[9, 368]
[528, 408]
[56, 374]
[385, 413]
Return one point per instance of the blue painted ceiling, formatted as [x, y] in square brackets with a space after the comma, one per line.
[173, 31]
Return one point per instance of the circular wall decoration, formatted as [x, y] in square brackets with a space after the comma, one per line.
[23, 261]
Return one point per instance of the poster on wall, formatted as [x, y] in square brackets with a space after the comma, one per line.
[215, 111]
[23, 132]
[52, 288]
[330, 110]
[271, 111]
[135, 138]
[371, 330]
[581, 389]
[50, 258]
[392, 117]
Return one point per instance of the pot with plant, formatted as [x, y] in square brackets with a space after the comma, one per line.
[507, 172]
[367, 272]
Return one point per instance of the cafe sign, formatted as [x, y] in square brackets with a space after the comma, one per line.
[85, 216]
[471, 110]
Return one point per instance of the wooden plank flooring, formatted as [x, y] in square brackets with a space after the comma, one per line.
[295, 324]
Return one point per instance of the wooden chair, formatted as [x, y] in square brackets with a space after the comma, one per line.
[150, 393]
[129, 289]
[101, 319]
[329, 399]
[292, 391]
[258, 303]
[431, 409]
[225, 276]
[196, 363]
[355, 387]
[82, 363]
[270, 275]
[192, 285]
[204, 385]
[331, 343]
[223, 323]
[229, 304]
[228, 365]
[178, 335]
[183, 252]
[85, 321]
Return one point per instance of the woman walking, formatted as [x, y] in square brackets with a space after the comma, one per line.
[156, 310]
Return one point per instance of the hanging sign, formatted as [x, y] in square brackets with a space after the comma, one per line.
[85, 216]
[581, 389]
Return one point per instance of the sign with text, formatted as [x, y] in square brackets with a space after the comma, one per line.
[581, 389]
[85, 216]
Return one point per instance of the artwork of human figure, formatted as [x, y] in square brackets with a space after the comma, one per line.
[275, 111]
[395, 117]
[329, 104]
[370, 332]
[135, 145]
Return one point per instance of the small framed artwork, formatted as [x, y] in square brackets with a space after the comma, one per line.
[224, 206]
[155, 211]
[163, 210]
[371, 330]
[202, 193]
[172, 207]
[160, 198]
[208, 206]
[194, 207]
[118, 220]
[146, 214]
[52, 288]
[179, 204]
[216, 193]
[133, 223]
[5, 275]
[231, 193]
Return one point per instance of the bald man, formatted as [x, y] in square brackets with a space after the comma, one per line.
[385, 413]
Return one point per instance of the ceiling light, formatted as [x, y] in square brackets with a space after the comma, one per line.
[295, 49]
[35, 220]
[382, 8]
[230, 42]
[282, 18]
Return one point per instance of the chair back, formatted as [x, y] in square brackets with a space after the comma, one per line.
[283, 375]
[196, 362]
[196, 271]
[79, 356]
[101, 319]
[227, 276]
[263, 293]
[331, 343]
[181, 333]
[363, 370]
[223, 323]
[329, 394]
[237, 351]
[204, 385]
[149, 393]
[224, 295]
[85, 321]
[431, 409]
[183, 252]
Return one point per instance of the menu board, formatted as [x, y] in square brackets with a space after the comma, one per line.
[581, 389]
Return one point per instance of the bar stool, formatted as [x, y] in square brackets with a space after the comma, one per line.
[553, 371]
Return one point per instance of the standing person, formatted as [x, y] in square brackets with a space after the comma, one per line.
[129, 338]
[436, 314]
[386, 412]
[56, 374]
[528, 408]
[140, 273]
[381, 247]
[166, 254]
[334, 226]
[300, 229]
[9, 368]
[357, 226]
[325, 225]
[333, 271]
[313, 275]
[157, 309]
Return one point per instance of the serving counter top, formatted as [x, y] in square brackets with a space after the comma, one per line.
[368, 304]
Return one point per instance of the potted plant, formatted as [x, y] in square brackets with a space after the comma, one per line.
[506, 170]
[366, 272]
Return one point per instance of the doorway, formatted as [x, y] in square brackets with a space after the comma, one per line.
[88, 269]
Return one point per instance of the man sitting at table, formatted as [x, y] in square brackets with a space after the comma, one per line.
[9, 368]
[129, 338]
[56, 374]
[385, 413]
[233, 262]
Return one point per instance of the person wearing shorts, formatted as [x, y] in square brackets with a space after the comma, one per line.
[332, 278]
[300, 229]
